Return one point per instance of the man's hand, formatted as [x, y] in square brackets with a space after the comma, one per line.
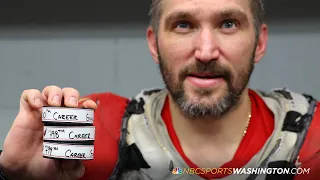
[22, 150]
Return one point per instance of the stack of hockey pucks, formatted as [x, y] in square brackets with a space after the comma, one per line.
[68, 133]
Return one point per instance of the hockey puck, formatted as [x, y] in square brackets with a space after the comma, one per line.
[71, 133]
[65, 115]
[67, 151]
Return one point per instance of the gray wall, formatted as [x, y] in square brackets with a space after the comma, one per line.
[91, 48]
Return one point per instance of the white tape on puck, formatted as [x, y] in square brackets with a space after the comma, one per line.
[67, 151]
[64, 114]
[71, 133]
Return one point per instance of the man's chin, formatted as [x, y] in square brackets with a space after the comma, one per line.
[202, 103]
[203, 97]
[198, 107]
[205, 93]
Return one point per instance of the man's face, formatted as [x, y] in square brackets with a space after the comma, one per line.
[206, 53]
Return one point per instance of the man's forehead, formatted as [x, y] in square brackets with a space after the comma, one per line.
[198, 6]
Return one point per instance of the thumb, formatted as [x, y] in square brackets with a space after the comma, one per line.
[30, 100]
[74, 169]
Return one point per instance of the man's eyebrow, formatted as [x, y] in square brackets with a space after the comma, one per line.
[223, 14]
[178, 15]
[233, 13]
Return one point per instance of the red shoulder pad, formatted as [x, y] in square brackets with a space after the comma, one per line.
[107, 122]
[110, 111]
[309, 155]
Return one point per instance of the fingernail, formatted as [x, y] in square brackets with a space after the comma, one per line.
[37, 102]
[56, 100]
[73, 101]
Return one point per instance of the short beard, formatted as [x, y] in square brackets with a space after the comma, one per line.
[217, 107]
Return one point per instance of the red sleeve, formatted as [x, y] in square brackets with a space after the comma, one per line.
[310, 151]
[107, 122]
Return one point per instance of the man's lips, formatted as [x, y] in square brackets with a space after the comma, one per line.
[204, 80]
[205, 75]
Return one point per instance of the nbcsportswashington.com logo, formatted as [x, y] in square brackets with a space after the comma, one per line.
[228, 171]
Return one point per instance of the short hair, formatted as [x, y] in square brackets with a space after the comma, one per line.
[257, 9]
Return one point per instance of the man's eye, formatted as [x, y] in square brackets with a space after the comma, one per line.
[183, 25]
[229, 24]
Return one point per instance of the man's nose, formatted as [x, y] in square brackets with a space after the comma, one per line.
[207, 48]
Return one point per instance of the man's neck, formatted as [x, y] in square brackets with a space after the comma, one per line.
[222, 130]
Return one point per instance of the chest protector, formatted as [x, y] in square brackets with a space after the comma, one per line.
[147, 153]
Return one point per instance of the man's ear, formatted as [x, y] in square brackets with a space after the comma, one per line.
[152, 43]
[261, 43]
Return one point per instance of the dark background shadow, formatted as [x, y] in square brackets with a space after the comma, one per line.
[40, 13]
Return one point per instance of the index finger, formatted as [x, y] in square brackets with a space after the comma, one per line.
[53, 95]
